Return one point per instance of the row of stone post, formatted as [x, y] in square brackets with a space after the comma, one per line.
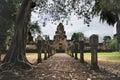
[78, 46]
[43, 46]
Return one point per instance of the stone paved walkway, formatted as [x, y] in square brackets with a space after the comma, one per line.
[62, 67]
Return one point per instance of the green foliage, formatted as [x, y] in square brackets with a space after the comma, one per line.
[46, 37]
[73, 36]
[34, 28]
[113, 45]
[8, 10]
[109, 10]
[115, 56]
[107, 38]
[77, 36]
[59, 10]
[29, 37]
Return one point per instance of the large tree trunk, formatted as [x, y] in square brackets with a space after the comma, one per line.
[16, 54]
[3, 31]
[118, 33]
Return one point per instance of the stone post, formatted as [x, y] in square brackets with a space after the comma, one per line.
[52, 51]
[39, 47]
[76, 48]
[94, 46]
[45, 50]
[82, 51]
[48, 50]
[72, 50]
[68, 49]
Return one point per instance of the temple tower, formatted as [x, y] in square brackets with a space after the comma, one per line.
[60, 39]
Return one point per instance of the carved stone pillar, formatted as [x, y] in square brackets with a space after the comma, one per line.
[76, 49]
[94, 46]
[45, 50]
[39, 47]
[82, 51]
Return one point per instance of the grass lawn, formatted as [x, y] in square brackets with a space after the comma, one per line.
[32, 57]
[104, 56]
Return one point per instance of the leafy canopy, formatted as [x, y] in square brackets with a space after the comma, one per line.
[59, 10]
[77, 36]
[108, 10]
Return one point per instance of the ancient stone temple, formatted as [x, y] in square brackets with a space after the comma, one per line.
[60, 39]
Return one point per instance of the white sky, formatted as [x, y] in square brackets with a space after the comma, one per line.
[101, 29]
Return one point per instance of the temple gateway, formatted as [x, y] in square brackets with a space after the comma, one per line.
[60, 39]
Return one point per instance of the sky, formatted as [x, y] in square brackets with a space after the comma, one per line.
[96, 27]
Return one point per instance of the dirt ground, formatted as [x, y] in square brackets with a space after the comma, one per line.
[63, 67]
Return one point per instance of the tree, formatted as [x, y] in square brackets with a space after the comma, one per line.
[57, 10]
[6, 19]
[109, 11]
[106, 42]
[107, 38]
[29, 37]
[77, 35]
[74, 36]
[61, 10]
[113, 43]
[16, 53]
[33, 29]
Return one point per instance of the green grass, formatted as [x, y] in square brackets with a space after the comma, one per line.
[105, 56]
[110, 56]
[32, 57]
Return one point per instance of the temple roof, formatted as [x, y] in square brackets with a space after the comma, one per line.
[60, 27]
